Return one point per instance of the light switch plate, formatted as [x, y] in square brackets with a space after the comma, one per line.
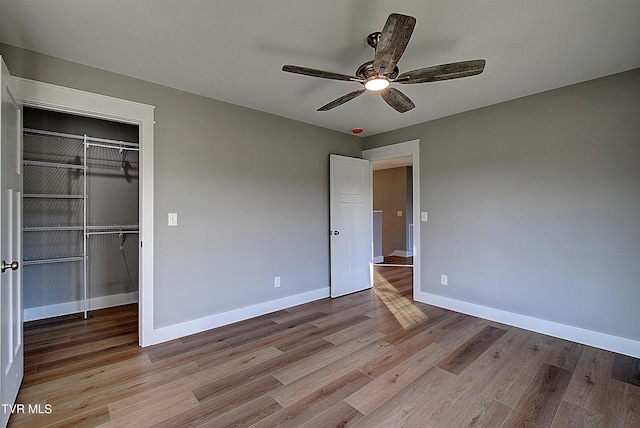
[423, 216]
[399, 213]
[173, 219]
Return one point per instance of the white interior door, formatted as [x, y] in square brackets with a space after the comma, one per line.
[351, 230]
[11, 356]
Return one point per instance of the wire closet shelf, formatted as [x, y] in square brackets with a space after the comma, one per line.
[87, 230]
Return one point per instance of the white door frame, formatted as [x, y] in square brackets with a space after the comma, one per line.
[409, 148]
[67, 100]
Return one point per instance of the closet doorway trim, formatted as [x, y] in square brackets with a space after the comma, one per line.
[67, 100]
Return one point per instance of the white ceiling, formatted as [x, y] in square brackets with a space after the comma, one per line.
[233, 50]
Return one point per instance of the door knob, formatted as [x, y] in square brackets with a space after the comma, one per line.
[13, 266]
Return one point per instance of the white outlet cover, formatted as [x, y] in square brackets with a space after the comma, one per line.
[173, 219]
[424, 216]
[399, 213]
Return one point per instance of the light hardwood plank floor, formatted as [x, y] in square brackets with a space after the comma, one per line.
[369, 359]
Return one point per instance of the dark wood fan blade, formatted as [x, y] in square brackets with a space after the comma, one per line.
[343, 99]
[396, 99]
[319, 73]
[392, 42]
[454, 70]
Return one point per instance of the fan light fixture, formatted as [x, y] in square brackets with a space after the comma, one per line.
[377, 84]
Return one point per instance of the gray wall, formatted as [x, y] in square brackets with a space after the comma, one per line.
[250, 189]
[534, 204]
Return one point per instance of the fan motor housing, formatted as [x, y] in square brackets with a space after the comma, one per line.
[366, 71]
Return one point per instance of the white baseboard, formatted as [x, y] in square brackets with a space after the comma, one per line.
[576, 334]
[164, 334]
[59, 309]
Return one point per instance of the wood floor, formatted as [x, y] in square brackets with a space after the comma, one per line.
[370, 359]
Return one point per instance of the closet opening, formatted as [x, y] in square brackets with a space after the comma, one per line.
[80, 214]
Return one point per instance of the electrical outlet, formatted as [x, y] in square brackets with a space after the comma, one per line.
[443, 280]
[424, 216]
[276, 281]
[399, 213]
[173, 219]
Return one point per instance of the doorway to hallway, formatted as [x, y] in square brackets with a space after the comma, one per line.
[393, 211]
[405, 156]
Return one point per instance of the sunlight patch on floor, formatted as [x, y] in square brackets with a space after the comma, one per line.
[406, 313]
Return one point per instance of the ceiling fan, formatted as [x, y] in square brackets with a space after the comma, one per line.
[377, 75]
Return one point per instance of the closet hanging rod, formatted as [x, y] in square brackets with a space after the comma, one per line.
[52, 228]
[80, 138]
[112, 232]
[52, 260]
[113, 146]
[51, 196]
[113, 227]
[52, 164]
